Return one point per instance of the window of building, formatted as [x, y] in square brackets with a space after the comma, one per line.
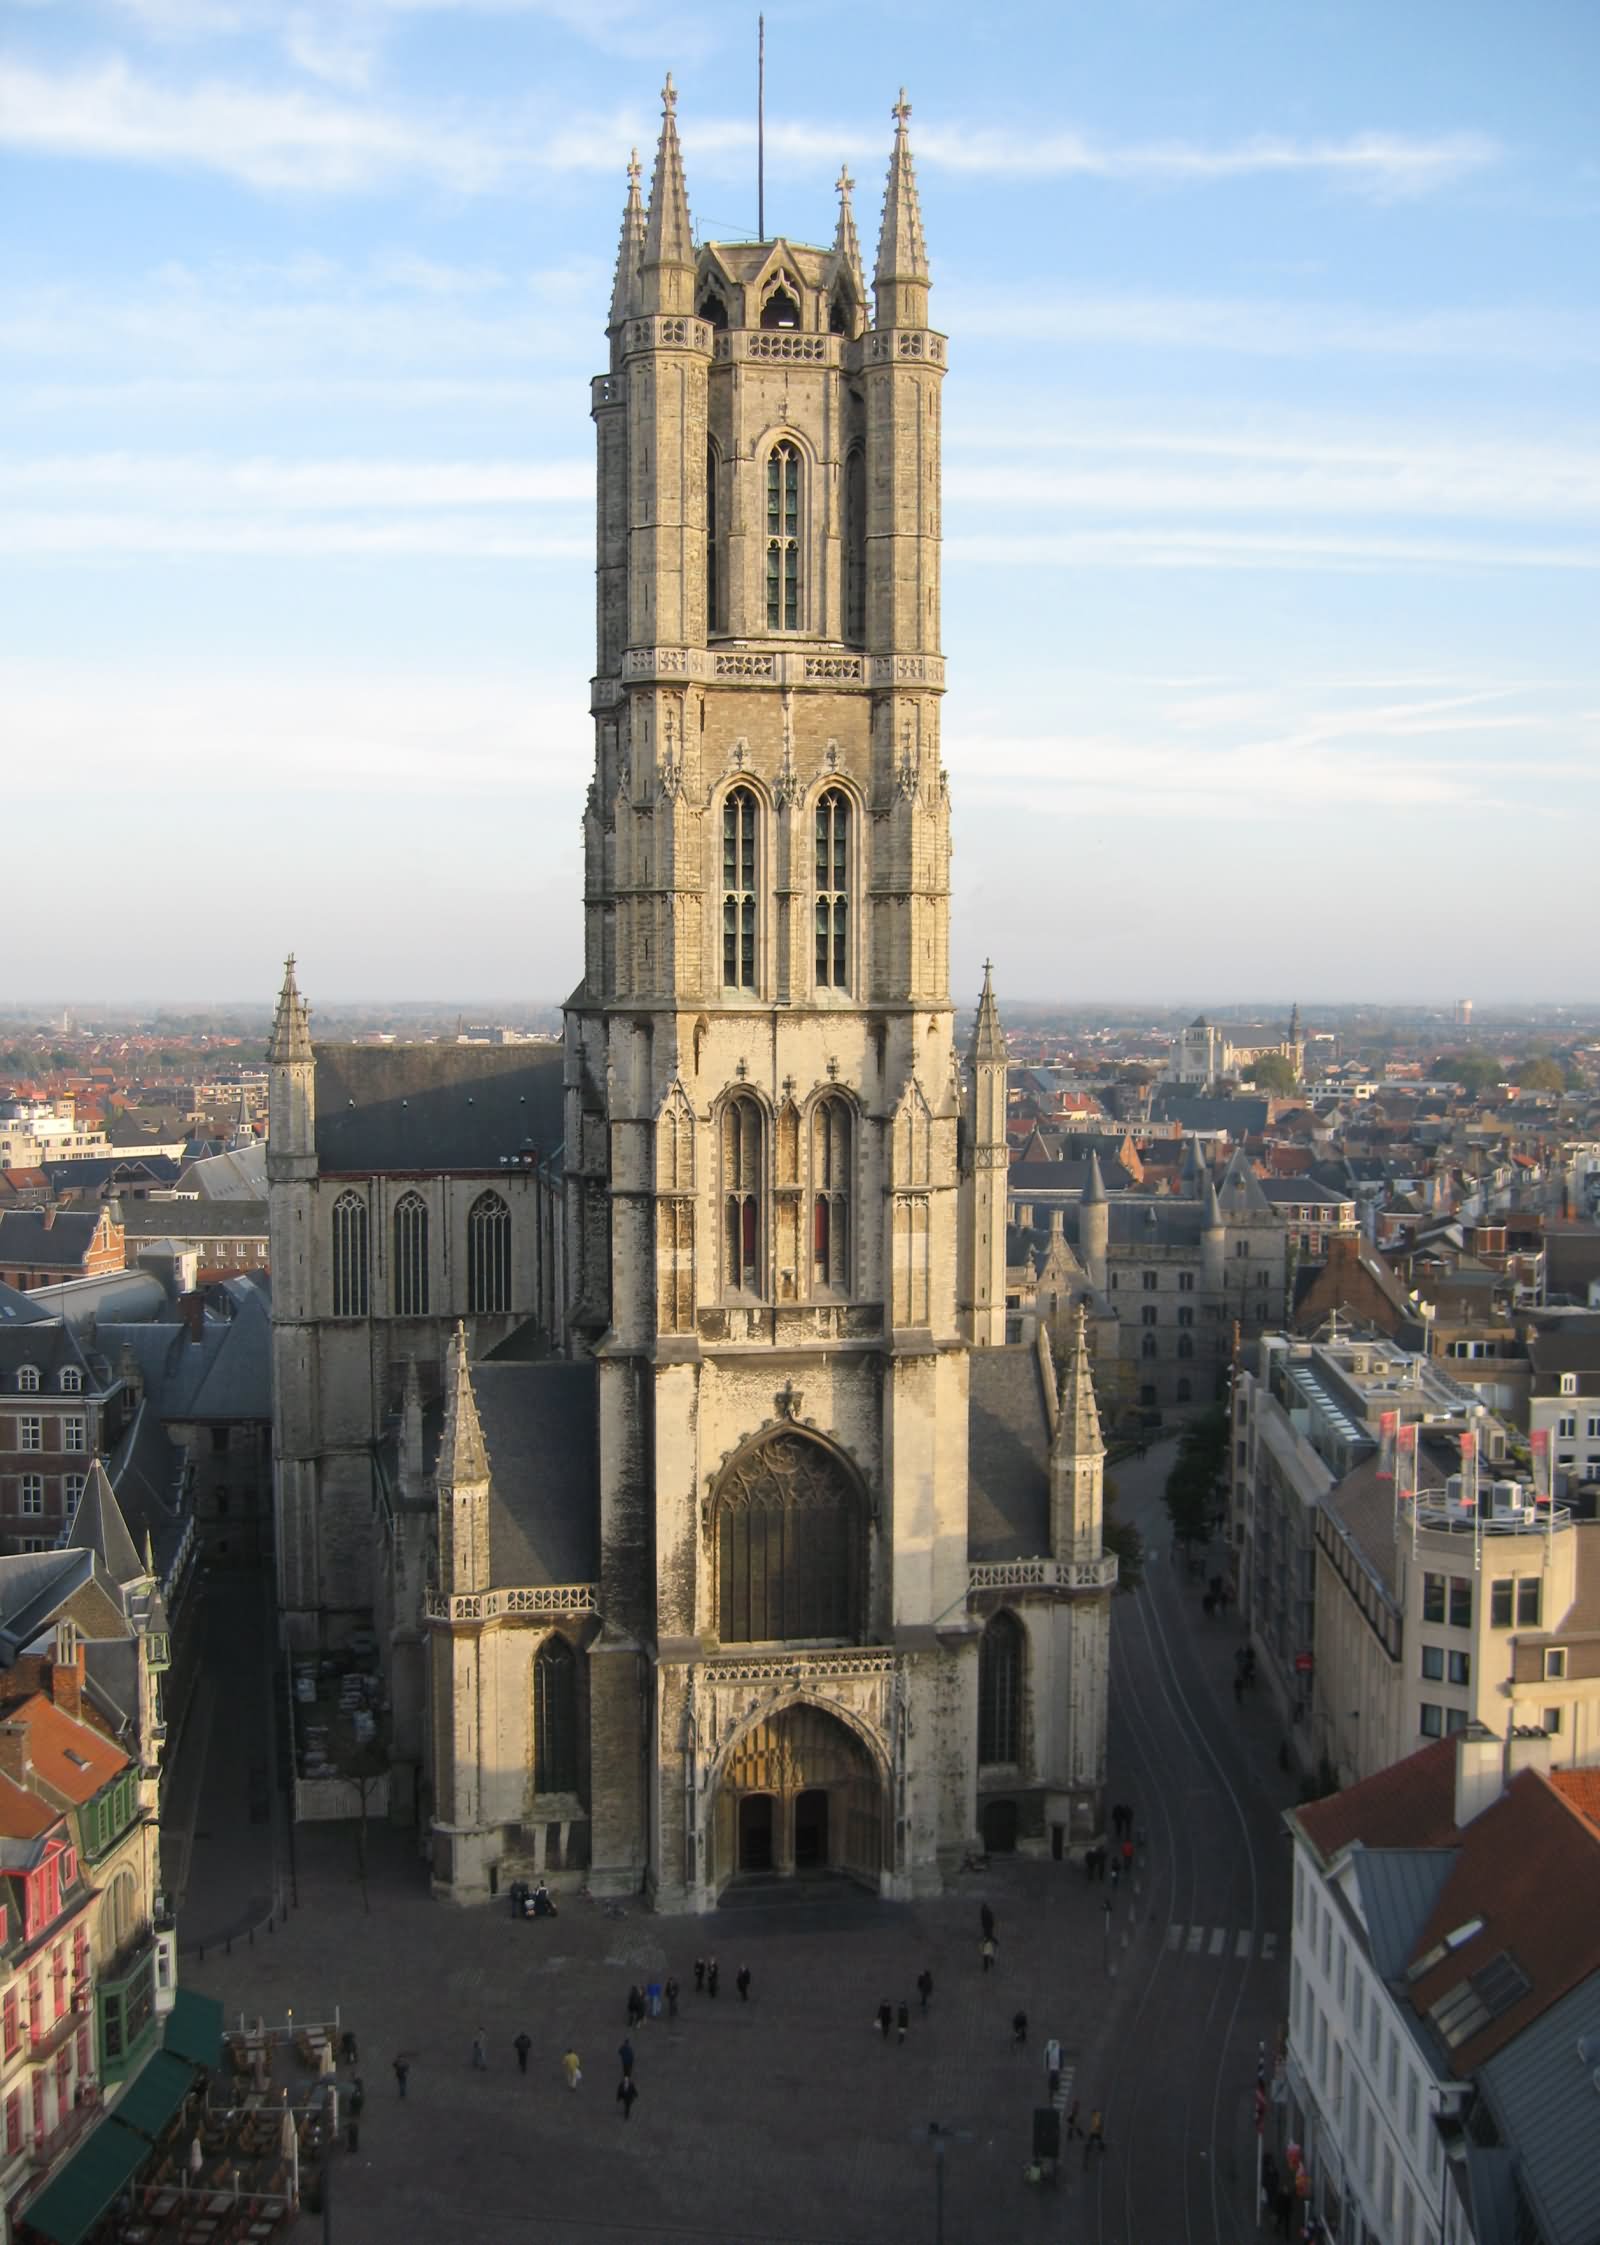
[71, 1380]
[1241, 1249]
[411, 1256]
[1567, 1427]
[1455, 1719]
[1185, 1344]
[349, 1256]
[1147, 1394]
[1432, 1719]
[1147, 1347]
[1461, 1669]
[1594, 1430]
[833, 890]
[1500, 1602]
[28, 1379]
[1433, 1664]
[1552, 1722]
[783, 538]
[1374, 2034]
[790, 1535]
[1148, 1316]
[488, 1256]
[1186, 1282]
[1150, 1280]
[1529, 1601]
[1433, 1598]
[72, 1488]
[743, 1193]
[1185, 1316]
[1555, 1664]
[1413, 2102]
[1569, 1383]
[830, 1195]
[13, 2113]
[30, 1434]
[10, 2018]
[1460, 1602]
[739, 889]
[74, 1434]
[31, 1491]
[1000, 1691]
[713, 588]
[555, 1718]
[1358, 2005]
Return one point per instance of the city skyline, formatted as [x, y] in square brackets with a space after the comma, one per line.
[1271, 479]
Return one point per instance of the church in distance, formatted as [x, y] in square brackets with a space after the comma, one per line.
[648, 1396]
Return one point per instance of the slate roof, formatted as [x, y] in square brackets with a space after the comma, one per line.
[236, 1174]
[98, 1527]
[147, 1473]
[32, 1585]
[17, 1308]
[426, 1108]
[1242, 1117]
[539, 1425]
[1571, 1346]
[33, 1240]
[1541, 2093]
[50, 1347]
[124, 1294]
[1398, 1888]
[193, 1219]
[223, 1377]
[94, 1171]
[1008, 1456]
[1239, 1193]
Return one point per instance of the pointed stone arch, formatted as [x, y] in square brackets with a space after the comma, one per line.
[790, 1519]
[819, 1781]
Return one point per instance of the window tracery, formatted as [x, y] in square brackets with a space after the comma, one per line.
[833, 890]
[411, 1256]
[783, 537]
[739, 889]
[488, 1256]
[349, 1256]
[1000, 1691]
[831, 1151]
[743, 1194]
[790, 1529]
[555, 1717]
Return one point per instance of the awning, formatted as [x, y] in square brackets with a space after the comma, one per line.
[194, 2028]
[68, 2208]
[155, 2093]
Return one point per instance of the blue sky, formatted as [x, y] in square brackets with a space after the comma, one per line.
[1272, 458]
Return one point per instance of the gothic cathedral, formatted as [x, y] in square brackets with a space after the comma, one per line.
[673, 1448]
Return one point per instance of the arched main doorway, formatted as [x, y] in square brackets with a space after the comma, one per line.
[798, 1793]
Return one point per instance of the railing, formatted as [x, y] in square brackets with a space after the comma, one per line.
[490, 1605]
[1044, 1574]
[783, 666]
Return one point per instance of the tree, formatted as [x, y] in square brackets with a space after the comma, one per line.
[1475, 1072]
[1122, 1538]
[1195, 1484]
[1272, 1071]
[1542, 1074]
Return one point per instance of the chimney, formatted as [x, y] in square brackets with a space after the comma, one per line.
[192, 1313]
[66, 1673]
[1527, 1747]
[48, 1222]
[1480, 1773]
[15, 1760]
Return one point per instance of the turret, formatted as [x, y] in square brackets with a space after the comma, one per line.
[1213, 1238]
[1077, 1458]
[463, 1480]
[291, 1094]
[666, 263]
[900, 280]
[986, 1068]
[1094, 1225]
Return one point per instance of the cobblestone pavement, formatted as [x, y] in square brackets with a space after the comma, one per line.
[788, 2121]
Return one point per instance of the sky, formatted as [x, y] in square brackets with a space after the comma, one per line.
[1272, 476]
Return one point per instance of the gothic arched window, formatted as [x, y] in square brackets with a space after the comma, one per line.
[411, 1256]
[1000, 1691]
[833, 890]
[1147, 1347]
[1185, 1344]
[830, 1195]
[783, 538]
[790, 1535]
[350, 1256]
[488, 1256]
[739, 889]
[743, 1194]
[555, 1718]
[855, 546]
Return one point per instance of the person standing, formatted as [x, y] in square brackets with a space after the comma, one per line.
[742, 1983]
[986, 1951]
[986, 1921]
[1019, 2029]
[1052, 2066]
[902, 2020]
[572, 2068]
[401, 2069]
[1096, 2138]
[671, 1993]
[711, 1977]
[925, 1987]
[480, 2051]
[627, 2090]
[635, 2007]
[885, 2018]
[699, 1974]
[522, 2046]
[625, 2057]
[1073, 2128]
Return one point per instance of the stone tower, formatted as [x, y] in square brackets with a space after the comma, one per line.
[765, 1195]
[990, 1158]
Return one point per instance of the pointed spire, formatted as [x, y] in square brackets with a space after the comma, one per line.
[630, 252]
[1210, 1206]
[98, 1526]
[291, 1030]
[846, 244]
[149, 1553]
[668, 236]
[988, 1047]
[1078, 1420]
[1094, 1191]
[900, 280]
[462, 1456]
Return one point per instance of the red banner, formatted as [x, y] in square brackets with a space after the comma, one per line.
[1388, 1428]
[1539, 1443]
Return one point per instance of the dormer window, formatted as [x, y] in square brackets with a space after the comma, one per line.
[712, 307]
[782, 307]
[71, 1380]
[28, 1379]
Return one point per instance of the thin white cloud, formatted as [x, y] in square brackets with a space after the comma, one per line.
[1194, 547]
[1387, 165]
[439, 537]
[301, 485]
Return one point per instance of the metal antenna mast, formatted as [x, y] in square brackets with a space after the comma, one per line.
[761, 128]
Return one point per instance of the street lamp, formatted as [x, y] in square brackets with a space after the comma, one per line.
[939, 2135]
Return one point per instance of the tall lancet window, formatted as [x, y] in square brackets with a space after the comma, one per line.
[411, 1256]
[713, 588]
[739, 889]
[349, 1256]
[555, 1718]
[743, 1192]
[1000, 1691]
[783, 538]
[833, 890]
[488, 1256]
[855, 546]
[830, 1195]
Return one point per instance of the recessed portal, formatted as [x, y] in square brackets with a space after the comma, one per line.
[998, 1824]
[811, 1830]
[755, 1832]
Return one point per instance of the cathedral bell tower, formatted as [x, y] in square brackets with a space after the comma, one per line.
[764, 1197]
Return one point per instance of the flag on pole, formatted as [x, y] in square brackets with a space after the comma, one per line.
[1469, 1472]
[1388, 1427]
[1539, 1443]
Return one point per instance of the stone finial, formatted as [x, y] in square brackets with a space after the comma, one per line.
[1078, 1420]
[902, 254]
[630, 252]
[846, 243]
[463, 1459]
[668, 236]
[988, 1047]
[291, 1024]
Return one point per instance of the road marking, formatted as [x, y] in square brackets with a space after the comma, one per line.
[1174, 1936]
[1269, 1947]
[1197, 1934]
[1219, 1940]
[1241, 1947]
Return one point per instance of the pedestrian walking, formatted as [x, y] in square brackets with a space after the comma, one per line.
[401, 2069]
[699, 1974]
[625, 2056]
[671, 1993]
[522, 2045]
[711, 1977]
[742, 1983]
[986, 1951]
[902, 2020]
[986, 1921]
[885, 2018]
[1096, 2138]
[627, 2090]
[925, 1986]
[1019, 2029]
[652, 1997]
[635, 2007]
[1052, 2066]
[572, 2068]
[1088, 1866]
[480, 2051]
[1073, 2127]
[1127, 1858]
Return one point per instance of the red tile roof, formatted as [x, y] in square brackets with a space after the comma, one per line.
[23, 1816]
[1581, 1789]
[71, 1759]
[1410, 1804]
